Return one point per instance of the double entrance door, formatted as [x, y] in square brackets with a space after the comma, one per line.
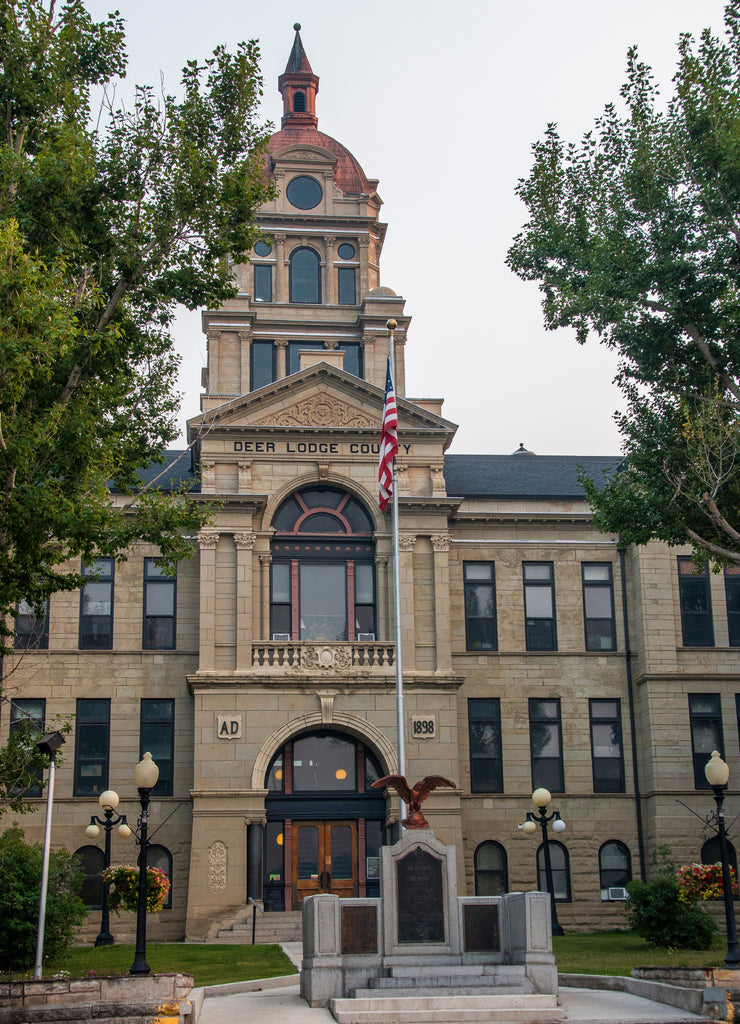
[324, 858]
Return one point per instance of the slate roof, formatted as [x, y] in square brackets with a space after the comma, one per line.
[522, 476]
[177, 473]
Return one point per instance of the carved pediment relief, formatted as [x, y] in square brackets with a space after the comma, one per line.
[319, 411]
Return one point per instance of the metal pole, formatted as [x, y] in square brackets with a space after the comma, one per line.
[397, 594]
[45, 870]
[104, 936]
[544, 818]
[140, 966]
[733, 951]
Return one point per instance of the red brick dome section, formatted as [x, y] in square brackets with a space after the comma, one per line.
[348, 174]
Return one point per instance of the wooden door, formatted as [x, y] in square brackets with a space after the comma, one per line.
[324, 858]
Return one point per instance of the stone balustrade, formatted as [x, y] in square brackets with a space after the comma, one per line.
[322, 656]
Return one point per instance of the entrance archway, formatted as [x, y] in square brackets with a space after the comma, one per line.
[325, 823]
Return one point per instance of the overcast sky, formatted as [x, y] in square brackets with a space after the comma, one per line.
[442, 102]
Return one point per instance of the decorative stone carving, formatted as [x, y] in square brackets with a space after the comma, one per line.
[407, 542]
[331, 343]
[245, 541]
[441, 542]
[305, 154]
[281, 343]
[207, 540]
[326, 699]
[244, 335]
[438, 479]
[319, 411]
[402, 477]
[208, 475]
[327, 658]
[213, 335]
[217, 867]
[244, 470]
[324, 471]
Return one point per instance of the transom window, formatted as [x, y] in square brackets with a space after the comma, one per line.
[323, 568]
[323, 761]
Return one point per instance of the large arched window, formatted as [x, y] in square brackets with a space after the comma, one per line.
[615, 867]
[160, 857]
[712, 854]
[323, 568]
[560, 871]
[305, 275]
[92, 861]
[491, 874]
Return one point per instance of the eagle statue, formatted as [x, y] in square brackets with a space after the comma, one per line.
[414, 797]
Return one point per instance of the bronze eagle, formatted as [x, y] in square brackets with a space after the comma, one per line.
[414, 797]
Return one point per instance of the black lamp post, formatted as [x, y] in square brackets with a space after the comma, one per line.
[108, 801]
[541, 799]
[146, 774]
[718, 774]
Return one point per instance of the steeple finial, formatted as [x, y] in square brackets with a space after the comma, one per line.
[298, 86]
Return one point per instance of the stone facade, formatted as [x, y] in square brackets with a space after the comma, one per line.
[292, 404]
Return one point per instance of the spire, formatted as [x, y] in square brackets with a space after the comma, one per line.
[298, 86]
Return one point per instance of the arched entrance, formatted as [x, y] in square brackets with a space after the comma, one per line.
[325, 823]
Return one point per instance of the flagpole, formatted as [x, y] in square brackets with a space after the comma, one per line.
[391, 326]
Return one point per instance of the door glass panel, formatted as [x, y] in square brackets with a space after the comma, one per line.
[341, 851]
[323, 602]
[308, 852]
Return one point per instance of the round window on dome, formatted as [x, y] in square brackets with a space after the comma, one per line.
[304, 193]
[346, 251]
[263, 249]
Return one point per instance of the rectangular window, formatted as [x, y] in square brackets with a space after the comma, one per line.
[705, 719]
[346, 281]
[31, 630]
[157, 735]
[263, 282]
[607, 757]
[294, 353]
[696, 604]
[732, 596]
[262, 364]
[92, 747]
[546, 744]
[480, 606]
[352, 359]
[28, 714]
[281, 611]
[484, 732]
[539, 606]
[96, 606]
[598, 606]
[365, 601]
[160, 600]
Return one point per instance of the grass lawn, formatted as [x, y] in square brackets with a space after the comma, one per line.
[210, 964]
[619, 952]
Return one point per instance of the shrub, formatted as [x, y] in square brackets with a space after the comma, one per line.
[657, 913]
[20, 893]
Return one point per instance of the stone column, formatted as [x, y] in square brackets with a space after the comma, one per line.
[372, 372]
[213, 375]
[255, 830]
[281, 368]
[207, 541]
[332, 290]
[406, 545]
[441, 549]
[245, 338]
[244, 614]
[265, 596]
[281, 269]
[363, 282]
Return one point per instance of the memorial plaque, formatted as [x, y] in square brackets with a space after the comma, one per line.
[421, 915]
[480, 928]
[359, 929]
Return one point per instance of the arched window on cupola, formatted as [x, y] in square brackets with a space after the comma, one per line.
[323, 568]
[299, 102]
[305, 275]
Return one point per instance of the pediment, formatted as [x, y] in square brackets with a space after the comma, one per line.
[302, 153]
[320, 397]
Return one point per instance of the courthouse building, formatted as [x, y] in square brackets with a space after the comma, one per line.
[536, 651]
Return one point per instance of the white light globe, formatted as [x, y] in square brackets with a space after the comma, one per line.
[529, 827]
[146, 772]
[92, 831]
[558, 825]
[124, 831]
[541, 797]
[109, 800]
[717, 771]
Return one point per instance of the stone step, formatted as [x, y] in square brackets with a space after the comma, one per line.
[491, 1009]
[424, 971]
[456, 989]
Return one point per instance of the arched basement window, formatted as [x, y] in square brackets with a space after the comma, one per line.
[92, 861]
[322, 583]
[491, 873]
[615, 867]
[560, 871]
[305, 275]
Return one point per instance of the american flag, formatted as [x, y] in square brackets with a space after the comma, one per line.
[388, 442]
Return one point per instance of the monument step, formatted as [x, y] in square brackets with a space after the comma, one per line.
[503, 1009]
[464, 970]
[451, 988]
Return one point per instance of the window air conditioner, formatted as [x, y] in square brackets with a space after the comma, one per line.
[618, 892]
[365, 637]
[280, 637]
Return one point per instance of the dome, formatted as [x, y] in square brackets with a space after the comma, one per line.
[348, 175]
[382, 291]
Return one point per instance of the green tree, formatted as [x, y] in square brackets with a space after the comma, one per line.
[20, 870]
[106, 224]
[634, 234]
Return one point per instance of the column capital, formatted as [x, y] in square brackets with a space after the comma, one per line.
[245, 540]
[208, 539]
[407, 541]
[440, 542]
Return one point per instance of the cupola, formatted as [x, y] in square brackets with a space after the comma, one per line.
[298, 86]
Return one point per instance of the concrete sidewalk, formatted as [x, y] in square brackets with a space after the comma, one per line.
[277, 1001]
